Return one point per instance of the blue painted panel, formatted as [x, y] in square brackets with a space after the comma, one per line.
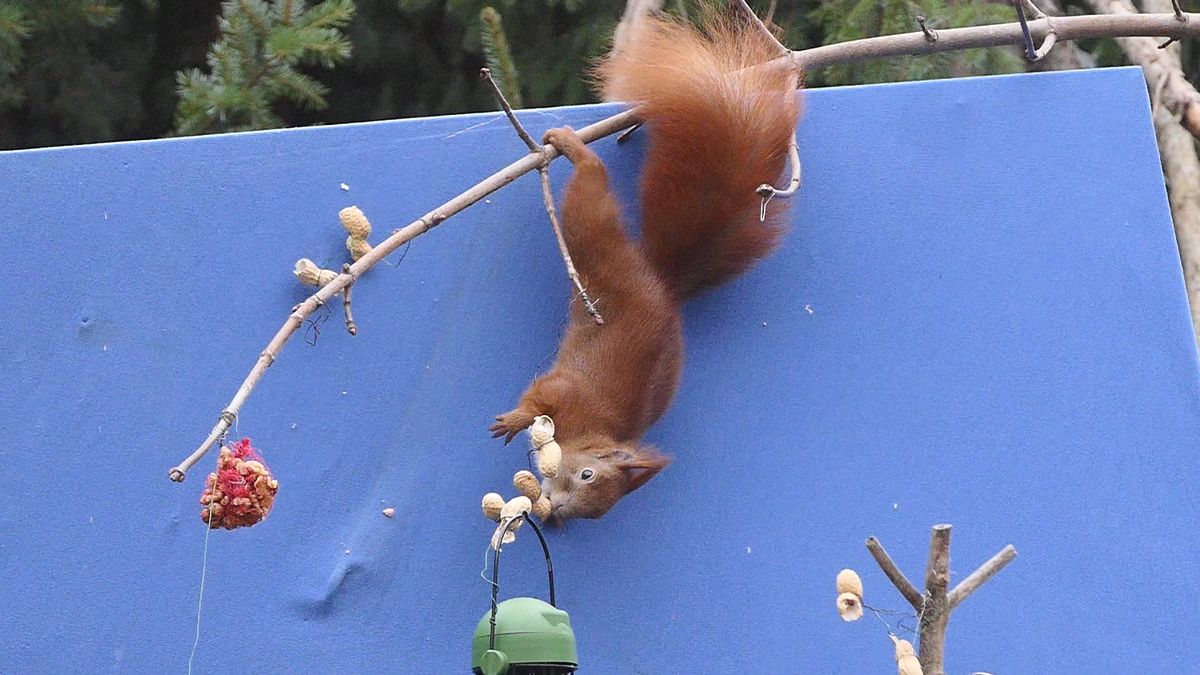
[978, 319]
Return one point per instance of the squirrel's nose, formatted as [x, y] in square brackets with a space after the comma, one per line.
[555, 518]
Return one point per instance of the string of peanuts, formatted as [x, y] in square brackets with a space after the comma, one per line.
[531, 498]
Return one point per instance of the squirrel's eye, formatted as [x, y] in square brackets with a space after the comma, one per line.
[587, 475]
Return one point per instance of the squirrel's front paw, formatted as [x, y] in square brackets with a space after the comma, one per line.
[567, 142]
[511, 423]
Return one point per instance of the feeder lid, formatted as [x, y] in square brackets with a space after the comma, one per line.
[528, 632]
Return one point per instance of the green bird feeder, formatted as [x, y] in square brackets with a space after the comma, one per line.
[523, 636]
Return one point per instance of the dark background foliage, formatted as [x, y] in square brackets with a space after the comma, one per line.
[78, 71]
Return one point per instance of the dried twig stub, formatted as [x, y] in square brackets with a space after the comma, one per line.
[351, 327]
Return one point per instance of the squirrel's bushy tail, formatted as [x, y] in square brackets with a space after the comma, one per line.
[718, 128]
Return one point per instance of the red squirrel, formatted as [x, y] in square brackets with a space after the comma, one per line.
[718, 129]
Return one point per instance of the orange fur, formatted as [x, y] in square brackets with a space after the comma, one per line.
[717, 131]
[719, 126]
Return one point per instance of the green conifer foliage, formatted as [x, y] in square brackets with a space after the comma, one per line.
[499, 57]
[255, 64]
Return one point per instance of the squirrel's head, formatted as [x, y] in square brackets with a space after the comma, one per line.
[594, 477]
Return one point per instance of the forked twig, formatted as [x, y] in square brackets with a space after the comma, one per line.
[934, 605]
[589, 305]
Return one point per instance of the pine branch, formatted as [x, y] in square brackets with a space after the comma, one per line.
[1068, 28]
[499, 56]
[299, 88]
[254, 64]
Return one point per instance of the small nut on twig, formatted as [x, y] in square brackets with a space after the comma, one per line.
[308, 273]
[356, 224]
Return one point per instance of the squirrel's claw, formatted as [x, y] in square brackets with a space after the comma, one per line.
[510, 424]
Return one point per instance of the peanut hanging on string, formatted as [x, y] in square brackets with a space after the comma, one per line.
[850, 595]
[531, 499]
[541, 435]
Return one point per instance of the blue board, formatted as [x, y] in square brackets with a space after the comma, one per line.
[978, 318]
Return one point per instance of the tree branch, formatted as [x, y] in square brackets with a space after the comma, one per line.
[894, 574]
[980, 576]
[953, 39]
[936, 614]
[1068, 28]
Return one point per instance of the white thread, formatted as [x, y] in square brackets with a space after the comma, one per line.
[203, 574]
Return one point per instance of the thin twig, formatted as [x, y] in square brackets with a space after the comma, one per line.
[351, 327]
[954, 39]
[894, 574]
[589, 305]
[748, 12]
[1068, 28]
[486, 76]
[1179, 15]
[1032, 10]
[980, 576]
[628, 132]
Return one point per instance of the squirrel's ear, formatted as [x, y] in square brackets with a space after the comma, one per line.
[641, 466]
